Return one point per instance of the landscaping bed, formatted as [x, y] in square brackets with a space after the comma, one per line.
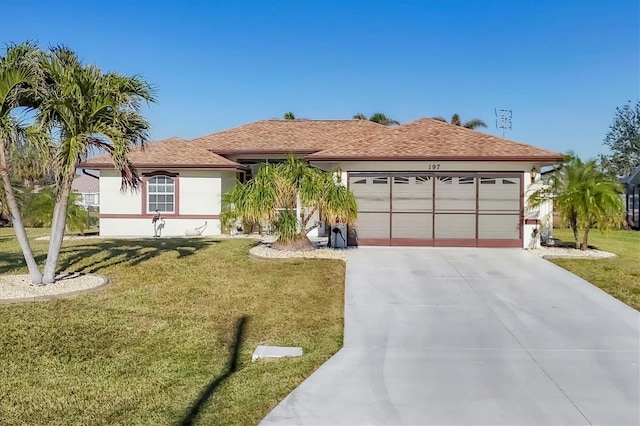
[157, 345]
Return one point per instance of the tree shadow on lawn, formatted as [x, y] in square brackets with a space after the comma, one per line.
[232, 366]
[13, 262]
[103, 254]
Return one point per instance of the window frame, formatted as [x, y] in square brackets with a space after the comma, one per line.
[148, 181]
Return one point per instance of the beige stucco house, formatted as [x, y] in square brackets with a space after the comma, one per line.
[424, 183]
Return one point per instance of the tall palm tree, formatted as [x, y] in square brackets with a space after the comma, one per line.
[19, 80]
[584, 196]
[456, 121]
[89, 110]
[378, 117]
[289, 116]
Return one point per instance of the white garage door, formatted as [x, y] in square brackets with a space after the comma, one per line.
[482, 209]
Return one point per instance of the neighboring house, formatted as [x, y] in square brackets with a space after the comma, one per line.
[89, 189]
[425, 183]
[631, 197]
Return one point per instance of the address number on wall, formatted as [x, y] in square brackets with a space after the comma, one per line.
[435, 166]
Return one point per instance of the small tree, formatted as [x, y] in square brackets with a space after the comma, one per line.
[289, 116]
[38, 210]
[274, 196]
[584, 196]
[623, 139]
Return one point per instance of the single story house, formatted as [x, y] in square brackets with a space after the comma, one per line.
[88, 186]
[631, 197]
[424, 183]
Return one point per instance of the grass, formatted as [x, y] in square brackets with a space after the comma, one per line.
[620, 277]
[159, 345]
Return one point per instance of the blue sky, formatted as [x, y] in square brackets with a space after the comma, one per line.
[561, 66]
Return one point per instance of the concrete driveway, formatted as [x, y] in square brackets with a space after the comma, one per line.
[472, 336]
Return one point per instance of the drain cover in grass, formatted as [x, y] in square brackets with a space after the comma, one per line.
[275, 352]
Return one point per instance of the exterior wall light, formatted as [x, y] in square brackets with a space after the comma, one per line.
[534, 174]
[338, 173]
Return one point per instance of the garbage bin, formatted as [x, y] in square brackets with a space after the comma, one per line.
[339, 235]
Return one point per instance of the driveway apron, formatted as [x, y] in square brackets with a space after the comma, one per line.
[472, 336]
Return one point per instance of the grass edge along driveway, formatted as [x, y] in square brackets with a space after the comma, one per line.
[158, 346]
[620, 277]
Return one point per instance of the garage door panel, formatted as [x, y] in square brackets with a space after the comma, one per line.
[373, 225]
[499, 227]
[412, 225]
[454, 193]
[499, 193]
[412, 194]
[455, 226]
[372, 193]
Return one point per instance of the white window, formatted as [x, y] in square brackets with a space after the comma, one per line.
[90, 198]
[161, 194]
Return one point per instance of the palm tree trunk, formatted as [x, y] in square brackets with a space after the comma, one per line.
[585, 239]
[16, 219]
[58, 224]
[573, 223]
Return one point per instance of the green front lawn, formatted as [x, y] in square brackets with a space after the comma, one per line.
[157, 346]
[620, 277]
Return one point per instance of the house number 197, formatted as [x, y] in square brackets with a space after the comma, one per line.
[433, 167]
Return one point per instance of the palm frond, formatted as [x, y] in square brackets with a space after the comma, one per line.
[474, 124]
[380, 118]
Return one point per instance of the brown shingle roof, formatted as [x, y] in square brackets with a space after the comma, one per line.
[328, 140]
[429, 139]
[284, 136]
[171, 152]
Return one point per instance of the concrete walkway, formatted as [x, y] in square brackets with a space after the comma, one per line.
[472, 336]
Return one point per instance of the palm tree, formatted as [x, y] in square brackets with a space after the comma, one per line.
[275, 194]
[289, 116]
[584, 196]
[89, 110]
[19, 80]
[378, 117]
[456, 121]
